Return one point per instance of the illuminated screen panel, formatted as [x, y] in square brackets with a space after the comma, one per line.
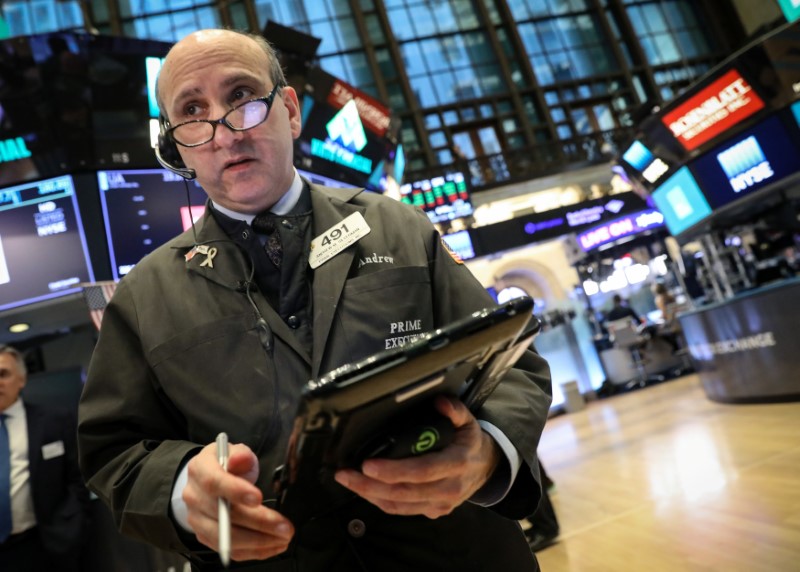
[643, 160]
[442, 198]
[622, 227]
[753, 160]
[143, 209]
[461, 243]
[681, 202]
[344, 133]
[43, 252]
[714, 109]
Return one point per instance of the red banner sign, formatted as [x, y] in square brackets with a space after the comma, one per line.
[711, 111]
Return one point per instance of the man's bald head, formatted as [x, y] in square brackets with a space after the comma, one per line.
[210, 36]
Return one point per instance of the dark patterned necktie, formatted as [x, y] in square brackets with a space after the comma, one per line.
[265, 225]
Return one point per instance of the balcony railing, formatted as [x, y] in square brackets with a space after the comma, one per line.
[544, 159]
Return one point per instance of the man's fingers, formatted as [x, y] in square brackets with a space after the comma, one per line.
[256, 532]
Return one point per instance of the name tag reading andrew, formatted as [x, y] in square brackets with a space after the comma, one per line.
[337, 238]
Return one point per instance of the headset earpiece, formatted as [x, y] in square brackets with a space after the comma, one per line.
[167, 152]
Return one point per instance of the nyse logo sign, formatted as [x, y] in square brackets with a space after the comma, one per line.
[745, 164]
[346, 137]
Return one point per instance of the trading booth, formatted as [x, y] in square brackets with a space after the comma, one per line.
[722, 164]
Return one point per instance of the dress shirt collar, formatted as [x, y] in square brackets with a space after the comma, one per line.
[282, 207]
[15, 409]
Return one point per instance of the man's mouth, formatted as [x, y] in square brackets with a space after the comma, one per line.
[238, 162]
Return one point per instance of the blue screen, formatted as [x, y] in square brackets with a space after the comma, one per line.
[759, 157]
[638, 156]
[681, 202]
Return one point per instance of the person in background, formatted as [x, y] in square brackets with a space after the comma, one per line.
[669, 329]
[619, 311]
[44, 505]
[542, 528]
[220, 332]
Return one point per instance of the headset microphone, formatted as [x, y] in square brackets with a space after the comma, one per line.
[185, 172]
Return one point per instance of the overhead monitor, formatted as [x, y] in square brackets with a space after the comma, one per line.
[43, 251]
[714, 109]
[443, 198]
[681, 202]
[346, 134]
[641, 159]
[756, 158]
[143, 209]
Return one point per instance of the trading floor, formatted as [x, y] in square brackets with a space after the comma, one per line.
[663, 479]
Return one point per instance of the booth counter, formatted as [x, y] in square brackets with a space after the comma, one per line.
[747, 349]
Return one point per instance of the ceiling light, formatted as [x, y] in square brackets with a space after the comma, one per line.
[19, 328]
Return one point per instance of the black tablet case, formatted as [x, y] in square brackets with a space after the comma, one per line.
[364, 408]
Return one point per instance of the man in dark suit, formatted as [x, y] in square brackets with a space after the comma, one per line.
[43, 501]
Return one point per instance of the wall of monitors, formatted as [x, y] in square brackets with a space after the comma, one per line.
[143, 209]
[43, 250]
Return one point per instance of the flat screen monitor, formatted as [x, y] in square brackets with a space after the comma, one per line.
[43, 251]
[443, 198]
[345, 133]
[461, 243]
[143, 209]
[712, 110]
[756, 158]
[681, 202]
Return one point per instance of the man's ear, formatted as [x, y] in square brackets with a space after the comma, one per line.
[292, 104]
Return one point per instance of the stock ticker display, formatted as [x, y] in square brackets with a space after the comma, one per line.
[443, 198]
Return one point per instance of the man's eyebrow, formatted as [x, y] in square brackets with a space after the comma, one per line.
[227, 82]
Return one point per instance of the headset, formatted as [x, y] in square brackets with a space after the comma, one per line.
[167, 153]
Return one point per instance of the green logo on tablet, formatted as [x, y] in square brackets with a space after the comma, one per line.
[426, 440]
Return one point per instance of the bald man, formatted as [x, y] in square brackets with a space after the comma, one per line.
[221, 332]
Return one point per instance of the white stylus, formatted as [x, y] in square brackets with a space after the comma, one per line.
[224, 508]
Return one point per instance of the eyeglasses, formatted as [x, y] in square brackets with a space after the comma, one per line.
[241, 118]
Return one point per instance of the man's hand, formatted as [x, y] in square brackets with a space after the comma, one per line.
[257, 532]
[433, 484]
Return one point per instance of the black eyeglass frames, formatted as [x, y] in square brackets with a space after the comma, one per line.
[241, 118]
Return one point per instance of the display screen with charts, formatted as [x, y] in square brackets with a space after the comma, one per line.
[382, 406]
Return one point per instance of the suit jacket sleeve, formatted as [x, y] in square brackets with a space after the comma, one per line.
[520, 404]
[120, 407]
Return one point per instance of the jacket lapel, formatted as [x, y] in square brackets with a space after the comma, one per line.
[329, 208]
[34, 439]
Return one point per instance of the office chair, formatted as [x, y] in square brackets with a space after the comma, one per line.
[623, 334]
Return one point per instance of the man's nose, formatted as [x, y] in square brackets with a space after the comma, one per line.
[225, 136]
